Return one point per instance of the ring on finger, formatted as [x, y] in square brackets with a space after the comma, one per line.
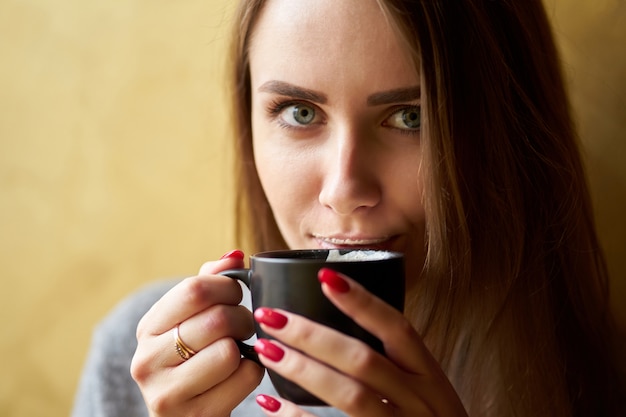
[184, 351]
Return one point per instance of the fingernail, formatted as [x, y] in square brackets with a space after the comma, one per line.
[271, 404]
[269, 350]
[233, 254]
[333, 279]
[270, 317]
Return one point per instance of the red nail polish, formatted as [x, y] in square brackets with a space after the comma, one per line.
[269, 350]
[271, 404]
[233, 254]
[333, 280]
[270, 317]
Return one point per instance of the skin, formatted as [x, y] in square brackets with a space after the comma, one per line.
[350, 177]
[338, 157]
[337, 151]
[348, 375]
[215, 380]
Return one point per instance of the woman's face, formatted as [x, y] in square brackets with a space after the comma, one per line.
[336, 127]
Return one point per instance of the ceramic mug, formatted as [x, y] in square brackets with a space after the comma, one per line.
[288, 280]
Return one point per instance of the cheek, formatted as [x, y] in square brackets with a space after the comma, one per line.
[279, 169]
[265, 157]
[405, 183]
[414, 199]
[288, 182]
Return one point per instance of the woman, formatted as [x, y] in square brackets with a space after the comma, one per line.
[439, 129]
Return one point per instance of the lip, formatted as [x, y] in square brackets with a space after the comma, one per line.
[355, 242]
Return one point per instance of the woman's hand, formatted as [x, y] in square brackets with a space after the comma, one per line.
[215, 379]
[345, 372]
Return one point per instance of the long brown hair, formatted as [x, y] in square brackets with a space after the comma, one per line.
[513, 300]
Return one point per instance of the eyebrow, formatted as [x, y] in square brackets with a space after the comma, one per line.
[290, 90]
[394, 96]
[384, 97]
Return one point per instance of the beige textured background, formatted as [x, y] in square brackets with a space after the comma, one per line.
[114, 163]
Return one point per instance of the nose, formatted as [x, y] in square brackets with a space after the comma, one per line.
[351, 175]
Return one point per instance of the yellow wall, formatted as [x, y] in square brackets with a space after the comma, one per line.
[112, 166]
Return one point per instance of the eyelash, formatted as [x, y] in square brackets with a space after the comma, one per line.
[275, 107]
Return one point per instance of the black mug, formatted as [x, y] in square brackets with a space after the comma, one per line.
[288, 280]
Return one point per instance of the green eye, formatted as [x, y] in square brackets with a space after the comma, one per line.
[296, 115]
[412, 118]
[409, 118]
[303, 114]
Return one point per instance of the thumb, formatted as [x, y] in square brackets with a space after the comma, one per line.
[230, 260]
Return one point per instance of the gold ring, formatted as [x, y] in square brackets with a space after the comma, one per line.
[184, 351]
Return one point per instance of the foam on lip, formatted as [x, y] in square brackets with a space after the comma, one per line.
[334, 255]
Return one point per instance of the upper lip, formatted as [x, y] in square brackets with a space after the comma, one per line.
[340, 240]
[351, 240]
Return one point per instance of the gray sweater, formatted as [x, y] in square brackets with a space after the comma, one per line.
[106, 388]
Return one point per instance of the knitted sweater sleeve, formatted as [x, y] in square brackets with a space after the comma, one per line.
[106, 388]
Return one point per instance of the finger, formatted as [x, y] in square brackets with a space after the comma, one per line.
[204, 328]
[156, 355]
[186, 299]
[401, 342]
[231, 260]
[218, 380]
[208, 368]
[194, 294]
[224, 397]
[326, 383]
[348, 355]
[275, 407]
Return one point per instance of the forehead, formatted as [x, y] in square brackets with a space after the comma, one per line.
[343, 39]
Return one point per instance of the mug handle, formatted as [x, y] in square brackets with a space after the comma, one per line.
[243, 275]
